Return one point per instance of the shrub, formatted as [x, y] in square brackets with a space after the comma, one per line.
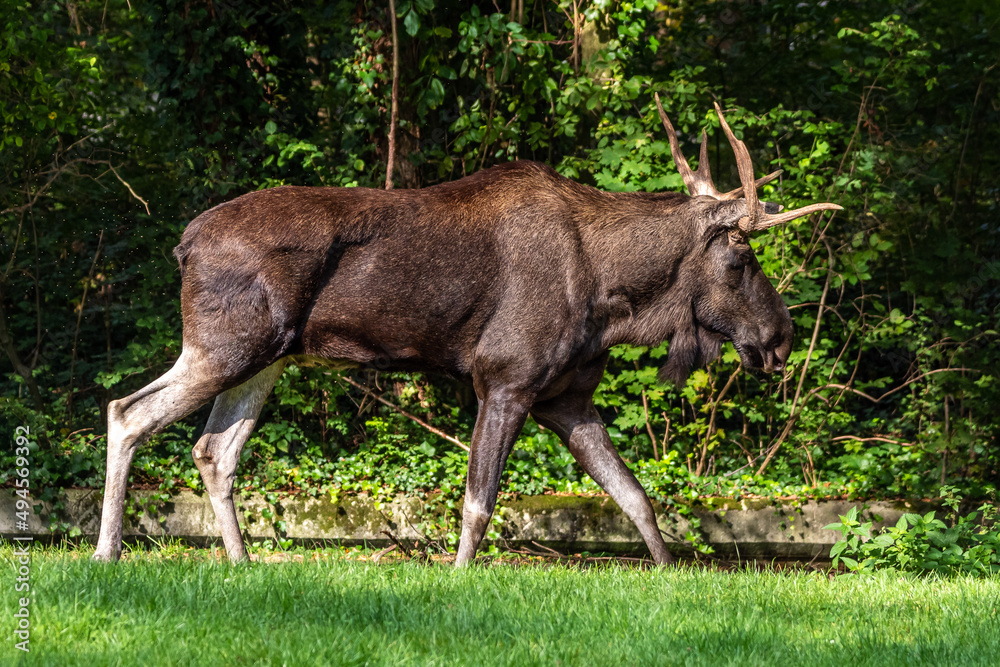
[971, 544]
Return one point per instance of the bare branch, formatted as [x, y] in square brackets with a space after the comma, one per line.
[899, 388]
[79, 319]
[55, 172]
[875, 438]
[711, 419]
[796, 407]
[435, 431]
[7, 343]
[394, 112]
[125, 183]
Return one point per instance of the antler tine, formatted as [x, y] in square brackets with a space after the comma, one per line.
[697, 182]
[772, 219]
[763, 180]
[745, 167]
[704, 172]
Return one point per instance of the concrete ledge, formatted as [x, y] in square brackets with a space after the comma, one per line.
[751, 528]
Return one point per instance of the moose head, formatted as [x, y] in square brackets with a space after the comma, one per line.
[731, 298]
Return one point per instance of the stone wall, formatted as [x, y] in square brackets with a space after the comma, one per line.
[749, 528]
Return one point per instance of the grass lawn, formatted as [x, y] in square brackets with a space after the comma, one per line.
[176, 607]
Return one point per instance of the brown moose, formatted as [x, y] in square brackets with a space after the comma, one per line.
[515, 278]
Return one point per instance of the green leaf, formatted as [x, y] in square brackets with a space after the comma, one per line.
[884, 540]
[411, 23]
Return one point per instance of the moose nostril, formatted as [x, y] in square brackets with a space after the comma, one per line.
[776, 352]
[781, 348]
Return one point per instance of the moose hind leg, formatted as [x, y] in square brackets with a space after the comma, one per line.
[579, 426]
[132, 420]
[217, 452]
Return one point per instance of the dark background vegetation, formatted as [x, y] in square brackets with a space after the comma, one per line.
[123, 120]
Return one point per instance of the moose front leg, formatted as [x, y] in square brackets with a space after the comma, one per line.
[576, 421]
[501, 416]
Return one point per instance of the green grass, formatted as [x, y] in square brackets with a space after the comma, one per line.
[167, 608]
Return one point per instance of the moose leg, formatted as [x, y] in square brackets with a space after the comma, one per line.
[217, 451]
[501, 416]
[575, 419]
[132, 420]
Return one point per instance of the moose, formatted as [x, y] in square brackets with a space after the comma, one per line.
[514, 278]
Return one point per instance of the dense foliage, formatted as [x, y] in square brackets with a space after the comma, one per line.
[122, 120]
[970, 544]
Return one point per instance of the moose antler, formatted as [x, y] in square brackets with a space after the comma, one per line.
[700, 182]
[756, 219]
[697, 182]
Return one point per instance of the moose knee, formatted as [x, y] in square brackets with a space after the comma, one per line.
[201, 453]
[473, 509]
[122, 436]
[218, 483]
[207, 463]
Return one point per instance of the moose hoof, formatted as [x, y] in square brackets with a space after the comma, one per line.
[105, 556]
